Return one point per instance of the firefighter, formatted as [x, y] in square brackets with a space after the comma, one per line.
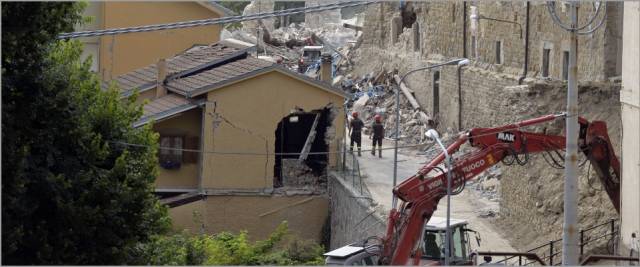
[377, 135]
[355, 131]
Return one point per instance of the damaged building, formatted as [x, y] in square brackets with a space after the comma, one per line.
[518, 70]
[244, 143]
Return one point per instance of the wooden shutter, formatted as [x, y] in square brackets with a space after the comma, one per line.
[191, 142]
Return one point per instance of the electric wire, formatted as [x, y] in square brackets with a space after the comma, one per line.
[602, 7]
[237, 153]
[206, 22]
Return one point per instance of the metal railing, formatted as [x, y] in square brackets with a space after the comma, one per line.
[551, 252]
[350, 170]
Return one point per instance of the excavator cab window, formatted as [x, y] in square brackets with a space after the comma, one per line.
[433, 248]
[433, 245]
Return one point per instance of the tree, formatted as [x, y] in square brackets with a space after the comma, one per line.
[70, 193]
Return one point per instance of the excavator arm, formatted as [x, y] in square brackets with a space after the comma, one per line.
[421, 193]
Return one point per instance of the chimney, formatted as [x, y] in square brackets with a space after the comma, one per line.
[325, 68]
[161, 68]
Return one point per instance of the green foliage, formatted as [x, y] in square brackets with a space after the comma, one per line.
[280, 248]
[70, 196]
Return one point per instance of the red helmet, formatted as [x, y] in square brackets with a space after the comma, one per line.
[354, 114]
[378, 118]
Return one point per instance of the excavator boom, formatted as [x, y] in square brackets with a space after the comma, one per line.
[421, 193]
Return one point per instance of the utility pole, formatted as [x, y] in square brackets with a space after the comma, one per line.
[570, 245]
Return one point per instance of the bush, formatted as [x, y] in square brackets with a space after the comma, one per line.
[280, 248]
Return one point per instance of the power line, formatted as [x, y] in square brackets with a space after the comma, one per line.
[459, 135]
[238, 153]
[205, 22]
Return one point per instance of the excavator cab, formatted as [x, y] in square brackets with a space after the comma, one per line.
[433, 242]
[432, 246]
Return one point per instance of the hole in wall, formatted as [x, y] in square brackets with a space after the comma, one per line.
[408, 13]
[291, 136]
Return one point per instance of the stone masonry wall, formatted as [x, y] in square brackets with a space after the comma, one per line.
[441, 24]
[353, 218]
[532, 194]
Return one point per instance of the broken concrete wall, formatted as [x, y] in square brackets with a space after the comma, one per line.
[297, 174]
[239, 122]
[353, 217]
[256, 7]
[319, 19]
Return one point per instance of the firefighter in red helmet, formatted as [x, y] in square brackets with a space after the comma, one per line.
[355, 132]
[377, 135]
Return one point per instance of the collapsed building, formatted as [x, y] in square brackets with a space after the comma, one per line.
[518, 70]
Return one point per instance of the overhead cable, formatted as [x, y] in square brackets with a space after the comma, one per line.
[223, 20]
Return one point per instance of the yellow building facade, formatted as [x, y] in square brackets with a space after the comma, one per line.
[222, 120]
[114, 55]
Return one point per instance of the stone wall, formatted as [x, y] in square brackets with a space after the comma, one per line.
[353, 218]
[490, 95]
[441, 33]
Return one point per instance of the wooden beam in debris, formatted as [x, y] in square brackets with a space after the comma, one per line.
[312, 136]
[408, 93]
[351, 26]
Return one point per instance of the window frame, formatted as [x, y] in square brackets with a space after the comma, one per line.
[173, 158]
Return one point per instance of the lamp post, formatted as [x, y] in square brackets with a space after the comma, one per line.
[431, 133]
[460, 62]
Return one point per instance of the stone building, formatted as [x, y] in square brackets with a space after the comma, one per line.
[494, 36]
[517, 71]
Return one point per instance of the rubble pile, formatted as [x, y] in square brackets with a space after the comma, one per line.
[373, 94]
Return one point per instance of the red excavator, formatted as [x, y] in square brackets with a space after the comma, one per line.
[508, 144]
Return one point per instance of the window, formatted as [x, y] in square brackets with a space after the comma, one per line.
[546, 53]
[499, 58]
[474, 46]
[565, 65]
[433, 245]
[457, 241]
[171, 158]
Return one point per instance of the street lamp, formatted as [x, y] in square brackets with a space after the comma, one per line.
[460, 62]
[431, 133]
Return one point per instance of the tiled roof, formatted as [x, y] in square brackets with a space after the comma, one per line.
[191, 61]
[235, 70]
[165, 106]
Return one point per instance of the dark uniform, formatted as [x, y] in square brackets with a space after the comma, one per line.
[355, 126]
[378, 134]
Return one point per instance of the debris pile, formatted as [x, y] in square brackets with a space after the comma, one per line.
[374, 94]
[487, 184]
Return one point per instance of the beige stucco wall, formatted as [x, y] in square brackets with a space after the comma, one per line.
[188, 124]
[122, 53]
[250, 111]
[259, 215]
[630, 102]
